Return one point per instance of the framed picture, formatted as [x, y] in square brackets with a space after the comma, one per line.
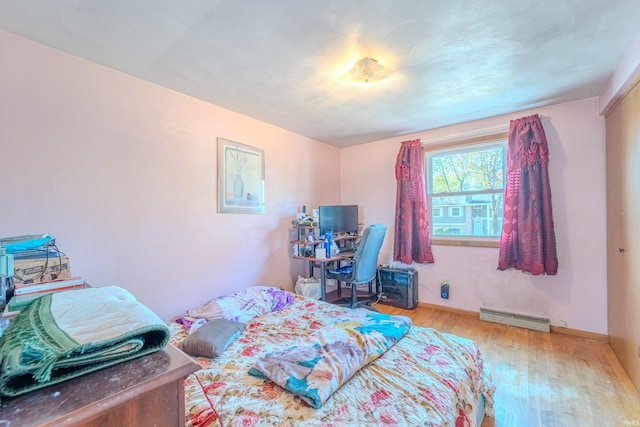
[240, 178]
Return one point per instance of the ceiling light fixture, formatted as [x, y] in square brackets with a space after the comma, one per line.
[366, 70]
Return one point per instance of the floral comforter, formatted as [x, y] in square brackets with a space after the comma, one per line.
[318, 366]
[427, 378]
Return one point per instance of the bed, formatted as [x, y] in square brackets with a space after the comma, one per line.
[410, 376]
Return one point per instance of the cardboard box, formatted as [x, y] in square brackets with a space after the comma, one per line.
[36, 270]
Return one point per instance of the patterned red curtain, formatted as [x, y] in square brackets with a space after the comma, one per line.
[528, 240]
[412, 232]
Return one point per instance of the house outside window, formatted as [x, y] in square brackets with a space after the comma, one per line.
[465, 190]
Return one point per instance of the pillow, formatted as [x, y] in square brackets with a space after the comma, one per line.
[211, 339]
[244, 305]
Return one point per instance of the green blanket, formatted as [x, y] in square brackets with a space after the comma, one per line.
[67, 334]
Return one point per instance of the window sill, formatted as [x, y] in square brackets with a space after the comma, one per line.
[469, 242]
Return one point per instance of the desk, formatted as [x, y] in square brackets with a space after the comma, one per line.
[148, 391]
[321, 263]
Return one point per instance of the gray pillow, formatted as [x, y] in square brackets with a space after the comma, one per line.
[212, 338]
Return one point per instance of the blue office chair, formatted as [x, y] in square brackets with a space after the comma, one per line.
[364, 265]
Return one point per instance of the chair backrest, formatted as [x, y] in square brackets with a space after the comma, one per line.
[365, 260]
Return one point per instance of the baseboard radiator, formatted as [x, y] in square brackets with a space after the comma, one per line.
[520, 320]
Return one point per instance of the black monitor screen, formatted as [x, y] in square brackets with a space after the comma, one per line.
[338, 219]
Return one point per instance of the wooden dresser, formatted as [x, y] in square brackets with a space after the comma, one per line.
[143, 392]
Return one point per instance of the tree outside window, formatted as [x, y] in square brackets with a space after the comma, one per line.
[465, 186]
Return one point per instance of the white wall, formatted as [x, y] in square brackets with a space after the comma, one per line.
[123, 173]
[577, 294]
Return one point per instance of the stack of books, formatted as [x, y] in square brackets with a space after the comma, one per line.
[25, 293]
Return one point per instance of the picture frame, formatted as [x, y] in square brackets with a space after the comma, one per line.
[240, 178]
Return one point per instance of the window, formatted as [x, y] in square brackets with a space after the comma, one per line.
[465, 187]
[455, 211]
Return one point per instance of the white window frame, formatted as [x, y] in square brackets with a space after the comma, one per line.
[463, 144]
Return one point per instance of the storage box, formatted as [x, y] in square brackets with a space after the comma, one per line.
[36, 270]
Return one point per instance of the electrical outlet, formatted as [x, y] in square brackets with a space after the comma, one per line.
[562, 323]
[444, 290]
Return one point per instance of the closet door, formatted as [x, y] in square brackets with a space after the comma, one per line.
[623, 231]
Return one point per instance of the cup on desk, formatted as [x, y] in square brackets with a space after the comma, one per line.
[321, 253]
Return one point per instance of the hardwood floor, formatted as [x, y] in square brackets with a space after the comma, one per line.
[542, 379]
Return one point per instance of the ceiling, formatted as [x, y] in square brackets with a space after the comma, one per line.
[279, 60]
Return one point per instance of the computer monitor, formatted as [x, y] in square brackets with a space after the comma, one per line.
[338, 219]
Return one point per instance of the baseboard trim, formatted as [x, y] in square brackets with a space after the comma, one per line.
[449, 309]
[554, 329]
[579, 333]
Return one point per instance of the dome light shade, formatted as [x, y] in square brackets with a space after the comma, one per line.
[366, 70]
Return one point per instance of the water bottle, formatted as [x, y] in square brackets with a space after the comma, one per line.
[328, 237]
[334, 248]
